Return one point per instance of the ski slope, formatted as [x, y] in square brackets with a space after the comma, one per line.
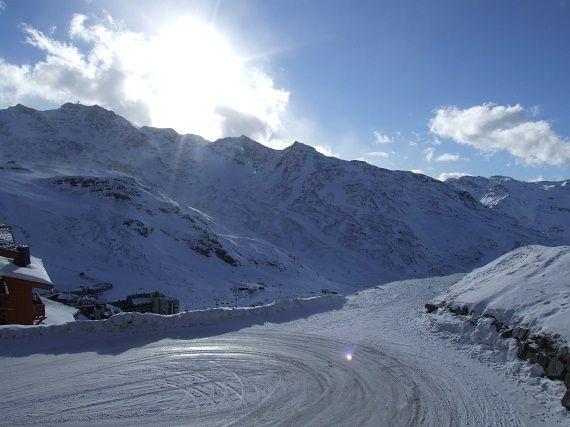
[274, 372]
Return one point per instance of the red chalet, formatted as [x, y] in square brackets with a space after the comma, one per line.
[20, 273]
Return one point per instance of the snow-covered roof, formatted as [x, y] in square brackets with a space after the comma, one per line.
[67, 297]
[113, 309]
[141, 300]
[33, 272]
[57, 313]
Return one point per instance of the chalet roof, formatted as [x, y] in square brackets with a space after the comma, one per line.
[7, 241]
[33, 272]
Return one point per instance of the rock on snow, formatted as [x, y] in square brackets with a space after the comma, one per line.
[529, 286]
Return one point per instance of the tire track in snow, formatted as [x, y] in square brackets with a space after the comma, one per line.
[265, 378]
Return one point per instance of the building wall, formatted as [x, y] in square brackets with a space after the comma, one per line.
[3, 302]
[164, 305]
[20, 307]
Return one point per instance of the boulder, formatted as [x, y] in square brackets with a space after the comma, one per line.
[526, 351]
[563, 354]
[546, 344]
[463, 310]
[542, 359]
[430, 308]
[554, 368]
[566, 400]
[567, 378]
[521, 333]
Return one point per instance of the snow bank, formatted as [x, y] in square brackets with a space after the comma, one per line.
[138, 322]
[529, 286]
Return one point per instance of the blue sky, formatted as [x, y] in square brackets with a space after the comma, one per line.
[476, 87]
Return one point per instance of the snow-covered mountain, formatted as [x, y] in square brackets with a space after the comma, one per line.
[232, 220]
[543, 206]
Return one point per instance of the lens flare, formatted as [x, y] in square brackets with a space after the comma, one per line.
[348, 357]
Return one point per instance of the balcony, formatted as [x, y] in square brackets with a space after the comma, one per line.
[39, 309]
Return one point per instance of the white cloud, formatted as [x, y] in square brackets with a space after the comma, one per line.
[537, 179]
[421, 171]
[447, 175]
[184, 75]
[382, 138]
[429, 152]
[2, 5]
[326, 150]
[448, 157]
[381, 154]
[534, 110]
[236, 123]
[490, 128]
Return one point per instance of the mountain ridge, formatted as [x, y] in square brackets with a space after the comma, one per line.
[149, 208]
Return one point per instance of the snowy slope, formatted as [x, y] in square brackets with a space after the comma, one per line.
[231, 221]
[528, 286]
[543, 205]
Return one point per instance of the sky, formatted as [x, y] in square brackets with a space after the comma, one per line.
[443, 88]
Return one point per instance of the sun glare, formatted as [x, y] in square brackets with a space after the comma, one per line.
[186, 70]
[182, 73]
[193, 69]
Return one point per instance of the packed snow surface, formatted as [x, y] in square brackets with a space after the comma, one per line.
[529, 286]
[367, 361]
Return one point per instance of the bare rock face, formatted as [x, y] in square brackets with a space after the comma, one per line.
[521, 333]
[564, 355]
[430, 308]
[566, 400]
[554, 368]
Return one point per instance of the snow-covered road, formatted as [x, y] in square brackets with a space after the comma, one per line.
[290, 373]
[264, 378]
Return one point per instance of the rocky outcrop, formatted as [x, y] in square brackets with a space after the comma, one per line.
[548, 351]
[430, 308]
[138, 226]
[566, 399]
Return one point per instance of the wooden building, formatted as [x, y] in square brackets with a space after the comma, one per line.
[20, 274]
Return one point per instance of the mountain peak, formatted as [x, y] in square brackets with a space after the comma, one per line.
[22, 108]
[300, 147]
[76, 107]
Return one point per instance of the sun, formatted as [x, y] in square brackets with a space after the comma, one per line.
[186, 69]
[181, 73]
[188, 73]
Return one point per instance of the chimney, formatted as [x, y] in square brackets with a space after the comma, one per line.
[22, 259]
